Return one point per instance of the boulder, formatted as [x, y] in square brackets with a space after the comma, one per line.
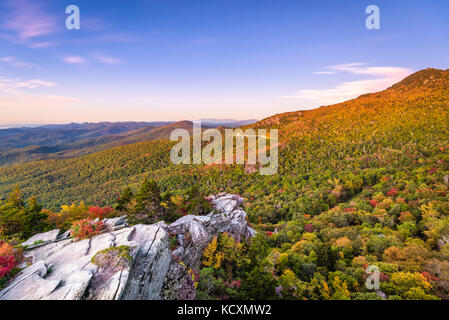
[150, 265]
[225, 203]
[444, 240]
[30, 284]
[230, 218]
[42, 238]
[110, 224]
[65, 235]
[64, 269]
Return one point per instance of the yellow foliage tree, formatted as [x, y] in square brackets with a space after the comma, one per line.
[209, 253]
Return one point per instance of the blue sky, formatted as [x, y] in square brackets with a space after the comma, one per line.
[174, 60]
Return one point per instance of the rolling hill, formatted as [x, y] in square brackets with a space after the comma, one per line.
[363, 183]
[25, 144]
[68, 141]
[388, 130]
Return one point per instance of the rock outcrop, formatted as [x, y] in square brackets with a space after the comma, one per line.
[444, 240]
[64, 269]
[42, 238]
[194, 233]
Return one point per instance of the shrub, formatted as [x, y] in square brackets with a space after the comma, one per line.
[101, 213]
[6, 265]
[407, 284]
[6, 249]
[86, 228]
[115, 258]
[68, 215]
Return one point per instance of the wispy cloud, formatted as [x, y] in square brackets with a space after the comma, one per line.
[11, 85]
[74, 60]
[25, 20]
[13, 61]
[44, 44]
[384, 77]
[324, 72]
[106, 59]
[13, 94]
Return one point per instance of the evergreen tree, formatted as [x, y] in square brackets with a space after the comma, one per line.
[124, 199]
[260, 284]
[19, 219]
[148, 208]
[15, 199]
[196, 203]
[34, 219]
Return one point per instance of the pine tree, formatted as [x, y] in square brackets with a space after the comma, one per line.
[34, 218]
[16, 199]
[148, 208]
[19, 219]
[124, 198]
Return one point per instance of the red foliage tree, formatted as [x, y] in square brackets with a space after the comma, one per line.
[100, 213]
[6, 265]
[308, 227]
[86, 228]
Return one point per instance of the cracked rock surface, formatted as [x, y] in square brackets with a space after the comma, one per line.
[62, 268]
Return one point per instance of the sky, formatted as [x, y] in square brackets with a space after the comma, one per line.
[189, 59]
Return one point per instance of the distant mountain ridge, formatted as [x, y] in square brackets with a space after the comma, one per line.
[391, 129]
[23, 144]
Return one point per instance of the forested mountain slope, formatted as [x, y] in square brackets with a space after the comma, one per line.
[51, 135]
[74, 140]
[19, 145]
[360, 183]
[392, 129]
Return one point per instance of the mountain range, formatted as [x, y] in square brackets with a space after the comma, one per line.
[112, 155]
[361, 184]
[24, 144]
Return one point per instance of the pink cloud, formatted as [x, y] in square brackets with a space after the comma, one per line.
[27, 19]
[16, 63]
[16, 93]
[384, 77]
[74, 60]
[44, 44]
[106, 59]
[12, 85]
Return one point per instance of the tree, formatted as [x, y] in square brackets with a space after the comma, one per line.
[406, 284]
[15, 199]
[327, 256]
[196, 203]
[21, 219]
[148, 208]
[124, 198]
[34, 219]
[260, 284]
[224, 252]
[257, 251]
